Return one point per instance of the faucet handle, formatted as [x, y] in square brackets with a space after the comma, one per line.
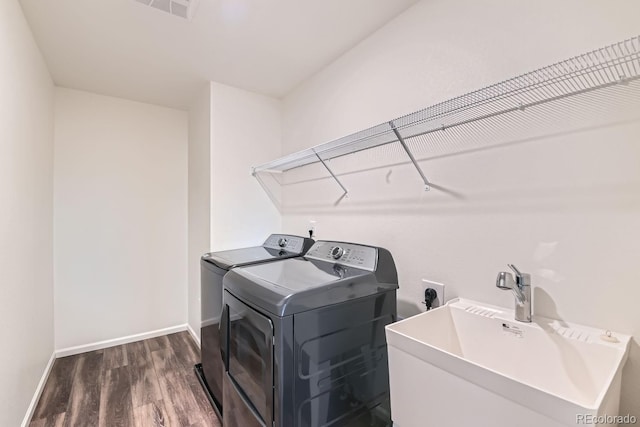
[515, 270]
[522, 279]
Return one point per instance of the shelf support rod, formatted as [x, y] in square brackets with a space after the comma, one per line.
[427, 186]
[332, 174]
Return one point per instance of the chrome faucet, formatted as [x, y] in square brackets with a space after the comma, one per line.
[521, 288]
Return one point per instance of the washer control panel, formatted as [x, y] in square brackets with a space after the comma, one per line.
[284, 242]
[347, 254]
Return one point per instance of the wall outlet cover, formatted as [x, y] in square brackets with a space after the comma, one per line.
[438, 287]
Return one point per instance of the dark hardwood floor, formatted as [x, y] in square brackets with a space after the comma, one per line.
[147, 383]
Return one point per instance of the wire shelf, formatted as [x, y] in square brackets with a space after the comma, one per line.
[616, 64]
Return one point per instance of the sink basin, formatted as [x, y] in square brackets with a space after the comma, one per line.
[469, 363]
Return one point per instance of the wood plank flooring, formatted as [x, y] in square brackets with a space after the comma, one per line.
[147, 383]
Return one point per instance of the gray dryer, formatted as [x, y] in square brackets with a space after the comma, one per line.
[303, 339]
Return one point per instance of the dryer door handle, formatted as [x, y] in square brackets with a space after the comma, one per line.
[224, 336]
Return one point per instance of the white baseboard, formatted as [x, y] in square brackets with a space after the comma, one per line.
[36, 396]
[69, 351]
[195, 336]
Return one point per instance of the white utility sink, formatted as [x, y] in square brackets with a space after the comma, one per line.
[472, 364]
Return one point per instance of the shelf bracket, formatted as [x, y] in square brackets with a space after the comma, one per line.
[332, 174]
[427, 186]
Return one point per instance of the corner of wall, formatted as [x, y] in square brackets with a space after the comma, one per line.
[26, 216]
[199, 198]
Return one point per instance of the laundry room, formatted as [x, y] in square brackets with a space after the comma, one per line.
[249, 213]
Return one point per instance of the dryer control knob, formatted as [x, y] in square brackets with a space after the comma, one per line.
[336, 252]
[282, 242]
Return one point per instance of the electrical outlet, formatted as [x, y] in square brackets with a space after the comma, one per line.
[312, 228]
[438, 287]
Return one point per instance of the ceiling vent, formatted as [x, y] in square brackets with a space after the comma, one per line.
[181, 8]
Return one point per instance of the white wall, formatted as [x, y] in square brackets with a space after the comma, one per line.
[120, 218]
[199, 197]
[563, 206]
[230, 130]
[26, 209]
[245, 132]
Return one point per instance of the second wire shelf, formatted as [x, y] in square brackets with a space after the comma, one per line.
[615, 64]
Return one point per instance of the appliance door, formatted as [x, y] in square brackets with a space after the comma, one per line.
[211, 311]
[248, 361]
[245, 256]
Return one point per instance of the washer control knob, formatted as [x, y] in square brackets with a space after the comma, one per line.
[337, 252]
[282, 242]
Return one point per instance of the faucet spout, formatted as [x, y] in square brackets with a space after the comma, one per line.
[505, 281]
[521, 288]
